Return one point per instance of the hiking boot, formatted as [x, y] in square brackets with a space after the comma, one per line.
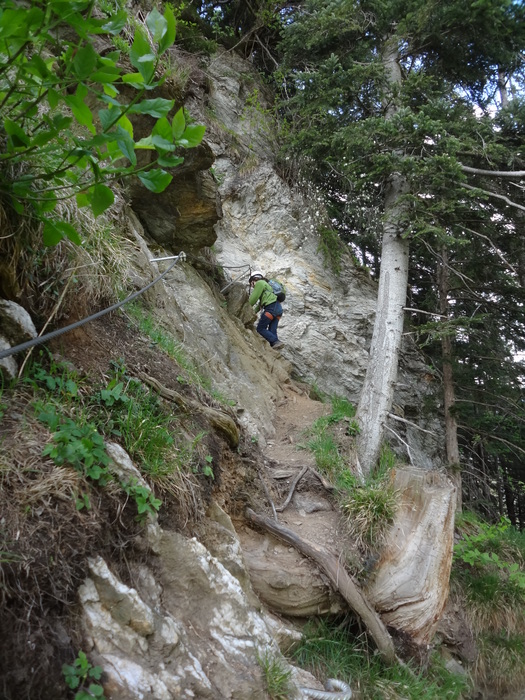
[278, 345]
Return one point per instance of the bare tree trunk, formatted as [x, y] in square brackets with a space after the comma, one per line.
[411, 580]
[378, 388]
[449, 396]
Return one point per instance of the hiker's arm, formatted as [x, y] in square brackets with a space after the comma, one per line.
[256, 293]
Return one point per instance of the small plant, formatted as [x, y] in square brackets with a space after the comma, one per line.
[492, 573]
[207, 469]
[79, 676]
[370, 510]
[79, 445]
[277, 678]
[146, 502]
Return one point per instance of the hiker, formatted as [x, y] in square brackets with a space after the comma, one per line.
[263, 295]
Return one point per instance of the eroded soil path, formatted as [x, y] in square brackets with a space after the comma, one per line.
[285, 580]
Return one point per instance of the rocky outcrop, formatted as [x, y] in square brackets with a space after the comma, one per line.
[182, 217]
[16, 326]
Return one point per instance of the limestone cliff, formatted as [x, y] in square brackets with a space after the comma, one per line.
[191, 625]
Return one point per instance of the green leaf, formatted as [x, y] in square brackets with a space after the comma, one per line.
[19, 138]
[102, 198]
[116, 23]
[178, 124]
[85, 61]
[126, 144]
[82, 199]
[169, 37]
[162, 144]
[109, 116]
[141, 57]
[55, 231]
[53, 97]
[105, 77]
[158, 107]
[80, 110]
[155, 180]
[134, 79]
[146, 143]
[169, 161]
[192, 135]
[157, 24]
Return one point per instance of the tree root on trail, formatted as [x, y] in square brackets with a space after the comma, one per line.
[221, 422]
[292, 489]
[340, 579]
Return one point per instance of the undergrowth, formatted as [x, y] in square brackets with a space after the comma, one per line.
[328, 651]
[488, 578]
[369, 507]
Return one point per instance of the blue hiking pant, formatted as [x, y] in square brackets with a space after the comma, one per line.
[268, 322]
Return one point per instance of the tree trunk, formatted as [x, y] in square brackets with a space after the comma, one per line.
[410, 586]
[377, 393]
[449, 396]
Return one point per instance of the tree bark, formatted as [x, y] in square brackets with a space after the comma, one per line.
[378, 389]
[449, 396]
[410, 586]
[331, 566]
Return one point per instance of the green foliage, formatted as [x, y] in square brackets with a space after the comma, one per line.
[128, 410]
[77, 441]
[331, 247]
[491, 564]
[323, 443]
[79, 445]
[166, 342]
[328, 651]
[62, 111]
[277, 678]
[79, 676]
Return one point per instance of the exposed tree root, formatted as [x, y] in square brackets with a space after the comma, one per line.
[221, 422]
[292, 489]
[340, 579]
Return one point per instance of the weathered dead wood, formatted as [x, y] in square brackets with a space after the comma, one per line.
[340, 579]
[220, 421]
[411, 578]
[292, 489]
[326, 484]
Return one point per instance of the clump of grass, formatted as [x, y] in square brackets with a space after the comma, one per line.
[322, 441]
[328, 651]
[277, 677]
[500, 665]
[370, 510]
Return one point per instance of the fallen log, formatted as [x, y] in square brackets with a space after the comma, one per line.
[340, 579]
[220, 421]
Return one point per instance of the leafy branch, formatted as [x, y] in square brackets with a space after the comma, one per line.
[63, 107]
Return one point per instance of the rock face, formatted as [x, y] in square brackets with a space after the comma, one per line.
[187, 630]
[182, 217]
[327, 321]
[16, 326]
[260, 222]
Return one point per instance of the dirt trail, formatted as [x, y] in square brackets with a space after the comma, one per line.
[282, 577]
[310, 512]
